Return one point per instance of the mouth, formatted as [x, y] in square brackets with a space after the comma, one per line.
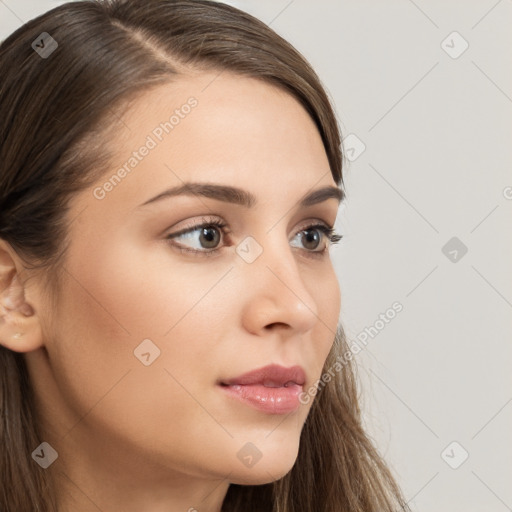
[272, 389]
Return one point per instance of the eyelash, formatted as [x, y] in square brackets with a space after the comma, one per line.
[329, 232]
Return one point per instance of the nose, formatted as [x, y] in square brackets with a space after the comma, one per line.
[277, 295]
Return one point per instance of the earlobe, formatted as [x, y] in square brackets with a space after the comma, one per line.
[20, 329]
[19, 332]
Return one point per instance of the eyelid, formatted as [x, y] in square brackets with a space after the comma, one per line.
[328, 231]
[217, 221]
[205, 221]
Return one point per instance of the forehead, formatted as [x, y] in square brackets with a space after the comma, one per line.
[216, 127]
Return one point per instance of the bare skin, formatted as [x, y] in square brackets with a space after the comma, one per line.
[165, 437]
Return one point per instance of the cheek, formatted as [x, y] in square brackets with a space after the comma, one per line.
[328, 296]
[125, 296]
[324, 289]
[107, 309]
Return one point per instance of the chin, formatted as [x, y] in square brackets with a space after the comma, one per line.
[272, 466]
[260, 476]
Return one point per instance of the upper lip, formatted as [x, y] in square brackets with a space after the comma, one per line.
[272, 376]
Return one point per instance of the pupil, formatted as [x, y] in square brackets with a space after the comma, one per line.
[312, 235]
[210, 235]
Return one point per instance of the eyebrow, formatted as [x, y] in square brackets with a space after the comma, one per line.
[240, 196]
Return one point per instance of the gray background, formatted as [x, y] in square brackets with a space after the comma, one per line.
[436, 126]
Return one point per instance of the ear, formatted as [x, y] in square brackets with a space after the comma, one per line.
[20, 329]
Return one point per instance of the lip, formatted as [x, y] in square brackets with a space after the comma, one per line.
[272, 389]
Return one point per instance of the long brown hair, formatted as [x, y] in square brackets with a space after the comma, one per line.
[57, 114]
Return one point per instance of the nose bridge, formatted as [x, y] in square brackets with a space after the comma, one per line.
[278, 289]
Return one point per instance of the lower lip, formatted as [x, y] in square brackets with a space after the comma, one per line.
[269, 400]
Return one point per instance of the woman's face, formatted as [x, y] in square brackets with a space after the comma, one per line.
[145, 336]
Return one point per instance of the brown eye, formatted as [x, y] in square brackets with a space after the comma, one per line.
[200, 238]
[317, 238]
[209, 237]
[311, 239]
